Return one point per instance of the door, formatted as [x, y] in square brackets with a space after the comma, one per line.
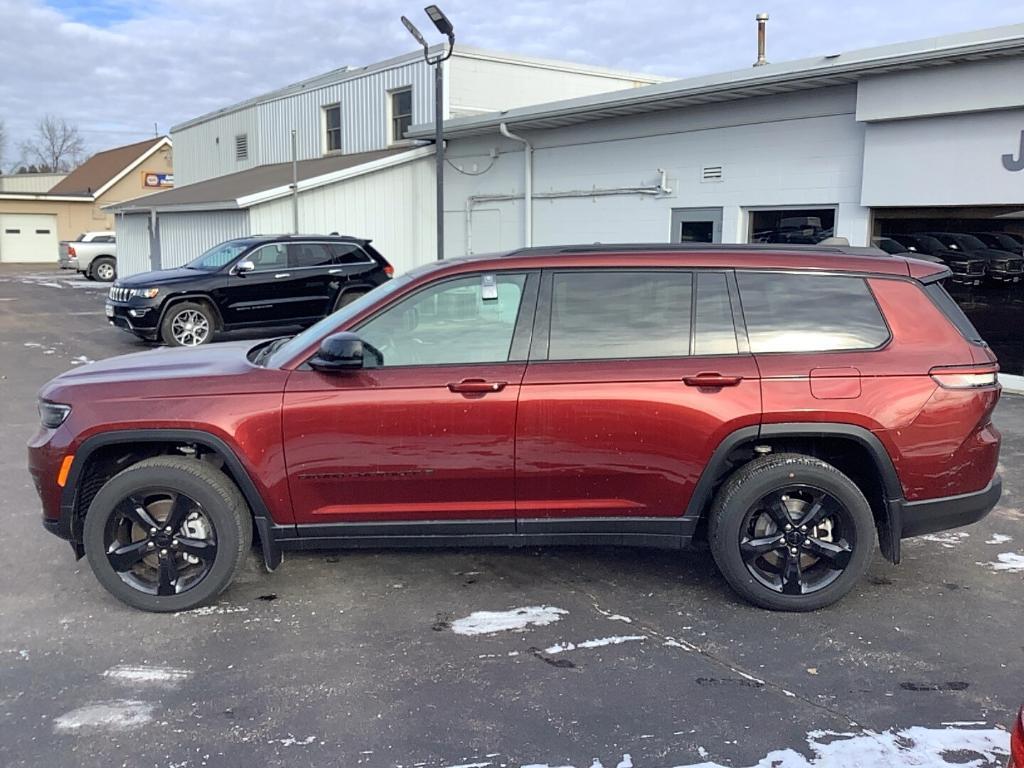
[696, 225]
[28, 237]
[635, 377]
[428, 435]
[272, 294]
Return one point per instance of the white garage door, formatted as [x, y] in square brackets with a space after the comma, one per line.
[28, 237]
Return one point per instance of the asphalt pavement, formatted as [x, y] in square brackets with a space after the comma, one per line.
[584, 657]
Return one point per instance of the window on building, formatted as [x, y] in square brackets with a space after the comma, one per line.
[401, 113]
[804, 226]
[242, 146]
[332, 128]
[603, 315]
[12, 231]
[42, 231]
[454, 322]
[809, 313]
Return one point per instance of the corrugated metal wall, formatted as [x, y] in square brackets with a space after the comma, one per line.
[183, 236]
[198, 154]
[394, 207]
[132, 243]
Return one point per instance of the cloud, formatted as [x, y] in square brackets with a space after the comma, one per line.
[115, 67]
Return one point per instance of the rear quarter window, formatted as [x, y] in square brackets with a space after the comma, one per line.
[809, 313]
[937, 293]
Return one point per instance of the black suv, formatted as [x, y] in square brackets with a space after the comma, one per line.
[966, 269]
[259, 281]
[1003, 266]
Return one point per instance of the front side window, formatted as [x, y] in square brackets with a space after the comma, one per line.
[619, 314]
[274, 256]
[332, 128]
[463, 321]
[809, 313]
[401, 113]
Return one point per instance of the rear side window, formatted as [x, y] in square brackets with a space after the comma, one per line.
[809, 313]
[605, 315]
[308, 255]
[714, 332]
[348, 253]
[953, 313]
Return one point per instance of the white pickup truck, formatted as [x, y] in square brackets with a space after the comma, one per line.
[94, 254]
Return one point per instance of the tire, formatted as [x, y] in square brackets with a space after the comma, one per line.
[791, 570]
[347, 297]
[87, 274]
[104, 269]
[156, 485]
[188, 324]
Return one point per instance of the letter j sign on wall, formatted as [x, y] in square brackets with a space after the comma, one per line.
[1012, 163]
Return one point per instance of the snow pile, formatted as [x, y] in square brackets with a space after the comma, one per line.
[489, 622]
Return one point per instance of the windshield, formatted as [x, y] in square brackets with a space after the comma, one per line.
[331, 323]
[930, 243]
[218, 256]
[1005, 242]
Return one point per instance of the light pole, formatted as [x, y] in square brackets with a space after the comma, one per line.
[444, 26]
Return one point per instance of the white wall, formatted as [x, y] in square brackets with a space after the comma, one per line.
[950, 160]
[803, 149]
[30, 182]
[394, 207]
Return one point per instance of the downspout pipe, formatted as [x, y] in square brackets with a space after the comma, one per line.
[527, 183]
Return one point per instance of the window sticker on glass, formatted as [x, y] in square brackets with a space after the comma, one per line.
[489, 288]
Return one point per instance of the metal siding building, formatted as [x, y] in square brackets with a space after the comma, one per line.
[133, 244]
[183, 236]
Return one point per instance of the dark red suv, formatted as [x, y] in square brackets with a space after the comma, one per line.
[789, 406]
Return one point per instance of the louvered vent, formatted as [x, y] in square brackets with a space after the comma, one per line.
[711, 173]
[242, 147]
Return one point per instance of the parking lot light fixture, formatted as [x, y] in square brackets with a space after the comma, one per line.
[445, 27]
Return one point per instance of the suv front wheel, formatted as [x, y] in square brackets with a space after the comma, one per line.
[790, 532]
[167, 534]
[188, 324]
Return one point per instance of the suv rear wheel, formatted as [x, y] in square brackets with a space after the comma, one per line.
[103, 268]
[188, 324]
[167, 534]
[790, 532]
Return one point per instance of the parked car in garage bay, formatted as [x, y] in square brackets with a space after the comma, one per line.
[1002, 266]
[253, 282]
[1000, 241]
[93, 254]
[967, 270]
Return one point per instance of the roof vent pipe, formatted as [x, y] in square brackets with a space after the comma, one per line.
[762, 22]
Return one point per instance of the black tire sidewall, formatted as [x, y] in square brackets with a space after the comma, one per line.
[229, 533]
[94, 269]
[176, 309]
[740, 494]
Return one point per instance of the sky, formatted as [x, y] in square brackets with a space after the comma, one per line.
[116, 67]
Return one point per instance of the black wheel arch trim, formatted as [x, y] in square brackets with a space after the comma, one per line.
[178, 298]
[261, 515]
[890, 528]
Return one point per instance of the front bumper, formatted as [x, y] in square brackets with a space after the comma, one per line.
[931, 515]
[144, 323]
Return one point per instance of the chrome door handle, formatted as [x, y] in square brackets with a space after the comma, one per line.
[477, 386]
[282, 274]
[334, 271]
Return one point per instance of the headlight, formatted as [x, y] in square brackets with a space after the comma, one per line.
[145, 293]
[53, 414]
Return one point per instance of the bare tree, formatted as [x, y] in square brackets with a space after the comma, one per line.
[56, 146]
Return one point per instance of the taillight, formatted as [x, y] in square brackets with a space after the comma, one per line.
[389, 270]
[966, 377]
[1017, 742]
[71, 251]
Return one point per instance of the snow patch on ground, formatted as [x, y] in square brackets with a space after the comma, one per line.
[999, 538]
[111, 715]
[81, 360]
[1008, 561]
[946, 539]
[489, 622]
[127, 673]
[599, 642]
[291, 741]
[614, 616]
[209, 610]
[915, 747]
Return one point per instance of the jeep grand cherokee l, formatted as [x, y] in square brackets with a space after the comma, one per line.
[792, 407]
[253, 282]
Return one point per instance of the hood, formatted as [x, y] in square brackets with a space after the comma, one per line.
[994, 253]
[161, 277]
[209, 370]
[958, 256]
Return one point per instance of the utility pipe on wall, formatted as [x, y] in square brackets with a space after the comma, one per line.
[527, 183]
[295, 185]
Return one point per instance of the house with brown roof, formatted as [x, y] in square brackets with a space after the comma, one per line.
[33, 223]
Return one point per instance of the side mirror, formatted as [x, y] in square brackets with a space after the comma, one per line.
[244, 267]
[344, 352]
